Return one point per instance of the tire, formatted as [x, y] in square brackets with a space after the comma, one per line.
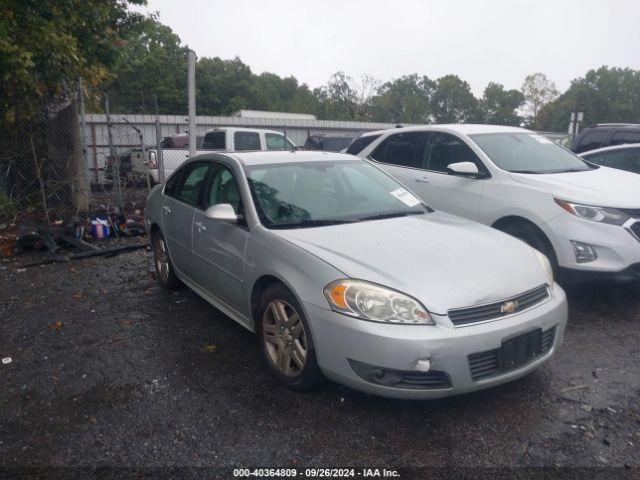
[284, 333]
[162, 262]
[531, 235]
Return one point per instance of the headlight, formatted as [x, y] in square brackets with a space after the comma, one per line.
[368, 301]
[546, 266]
[611, 216]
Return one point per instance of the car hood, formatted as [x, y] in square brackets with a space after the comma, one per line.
[604, 187]
[444, 261]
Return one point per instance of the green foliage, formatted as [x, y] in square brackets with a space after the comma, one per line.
[45, 45]
[604, 95]
[453, 102]
[152, 63]
[404, 100]
[499, 106]
[538, 91]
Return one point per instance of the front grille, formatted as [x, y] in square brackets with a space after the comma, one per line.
[487, 364]
[406, 379]
[465, 316]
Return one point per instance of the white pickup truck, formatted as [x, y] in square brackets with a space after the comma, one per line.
[225, 139]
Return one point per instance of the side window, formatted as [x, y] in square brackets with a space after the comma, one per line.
[597, 158]
[626, 159]
[361, 143]
[214, 141]
[174, 180]
[400, 149]
[274, 141]
[443, 149]
[620, 138]
[224, 189]
[246, 141]
[188, 186]
[592, 140]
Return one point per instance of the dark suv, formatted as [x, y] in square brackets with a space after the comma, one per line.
[606, 135]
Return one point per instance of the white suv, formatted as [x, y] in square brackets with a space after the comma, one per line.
[584, 217]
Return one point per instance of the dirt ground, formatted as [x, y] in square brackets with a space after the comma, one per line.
[110, 370]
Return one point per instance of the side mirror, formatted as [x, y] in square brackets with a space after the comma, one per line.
[464, 169]
[221, 211]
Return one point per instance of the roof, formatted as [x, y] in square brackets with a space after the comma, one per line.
[282, 156]
[607, 149]
[461, 128]
[265, 114]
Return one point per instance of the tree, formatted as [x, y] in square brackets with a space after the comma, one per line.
[604, 95]
[223, 86]
[152, 65]
[404, 100]
[453, 101]
[46, 45]
[338, 98]
[500, 106]
[538, 90]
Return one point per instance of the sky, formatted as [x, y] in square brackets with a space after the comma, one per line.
[478, 40]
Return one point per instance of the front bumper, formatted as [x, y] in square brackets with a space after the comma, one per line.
[618, 249]
[342, 342]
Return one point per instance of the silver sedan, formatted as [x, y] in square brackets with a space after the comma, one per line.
[343, 273]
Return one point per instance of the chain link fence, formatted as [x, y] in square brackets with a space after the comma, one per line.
[68, 163]
[42, 172]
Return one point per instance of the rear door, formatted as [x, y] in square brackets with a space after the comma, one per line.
[419, 160]
[218, 245]
[178, 207]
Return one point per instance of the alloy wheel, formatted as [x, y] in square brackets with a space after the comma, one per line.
[284, 337]
[162, 259]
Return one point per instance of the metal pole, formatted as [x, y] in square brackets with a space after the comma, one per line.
[83, 138]
[159, 158]
[192, 102]
[112, 154]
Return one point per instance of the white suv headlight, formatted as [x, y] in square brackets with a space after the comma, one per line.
[546, 266]
[369, 301]
[611, 216]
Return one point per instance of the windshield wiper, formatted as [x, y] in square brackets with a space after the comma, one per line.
[532, 172]
[383, 216]
[311, 223]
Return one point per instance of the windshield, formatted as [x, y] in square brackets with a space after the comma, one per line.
[295, 195]
[528, 152]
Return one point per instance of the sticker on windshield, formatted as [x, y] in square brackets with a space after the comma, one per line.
[405, 197]
[540, 138]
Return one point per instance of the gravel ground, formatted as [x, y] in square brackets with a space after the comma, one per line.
[108, 369]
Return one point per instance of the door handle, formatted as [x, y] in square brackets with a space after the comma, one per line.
[422, 179]
[200, 226]
[166, 209]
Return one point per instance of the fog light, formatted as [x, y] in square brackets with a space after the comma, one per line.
[584, 252]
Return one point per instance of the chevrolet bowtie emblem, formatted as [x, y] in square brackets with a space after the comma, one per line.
[509, 307]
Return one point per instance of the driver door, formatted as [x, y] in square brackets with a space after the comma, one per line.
[218, 245]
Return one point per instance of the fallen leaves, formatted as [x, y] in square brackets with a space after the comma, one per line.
[209, 348]
[58, 325]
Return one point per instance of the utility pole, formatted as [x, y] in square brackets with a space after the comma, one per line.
[159, 159]
[191, 87]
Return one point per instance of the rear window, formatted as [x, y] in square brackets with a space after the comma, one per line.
[246, 140]
[361, 143]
